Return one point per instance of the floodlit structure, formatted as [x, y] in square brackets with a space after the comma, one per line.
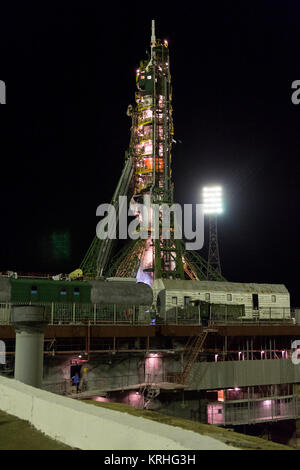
[232, 301]
[213, 206]
[147, 173]
[212, 351]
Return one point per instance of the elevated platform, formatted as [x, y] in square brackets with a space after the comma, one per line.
[129, 331]
[104, 391]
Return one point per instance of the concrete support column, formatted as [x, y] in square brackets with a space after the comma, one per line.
[29, 322]
[153, 368]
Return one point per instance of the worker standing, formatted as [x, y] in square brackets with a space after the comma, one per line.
[84, 379]
[76, 381]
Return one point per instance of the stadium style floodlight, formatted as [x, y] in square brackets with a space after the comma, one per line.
[213, 206]
[213, 200]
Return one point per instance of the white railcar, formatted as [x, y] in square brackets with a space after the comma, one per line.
[262, 301]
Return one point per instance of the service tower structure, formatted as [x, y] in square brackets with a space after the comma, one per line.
[147, 176]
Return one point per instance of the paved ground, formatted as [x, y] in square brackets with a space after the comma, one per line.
[16, 434]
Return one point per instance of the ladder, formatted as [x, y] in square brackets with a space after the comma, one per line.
[148, 392]
[189, 270]
[191, 351]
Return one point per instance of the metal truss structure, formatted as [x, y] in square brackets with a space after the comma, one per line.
[147, 172]
[214, 265]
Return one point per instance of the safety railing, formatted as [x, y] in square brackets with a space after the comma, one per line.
[99, 384]
[99, 314]
[253, 411]
[174, 377]
[226, 314]
[77, 313]
[63, 387]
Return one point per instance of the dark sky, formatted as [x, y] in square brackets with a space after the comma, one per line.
[70, 74]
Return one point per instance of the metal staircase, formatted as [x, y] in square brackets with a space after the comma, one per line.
[150, 392]
[191, 351]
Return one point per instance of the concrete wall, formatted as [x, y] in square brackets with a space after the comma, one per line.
[89, 427]
[204, 375]
[115, 370]
[193, 407]
[212, 375]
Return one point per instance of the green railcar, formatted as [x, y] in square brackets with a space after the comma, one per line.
[48, 290]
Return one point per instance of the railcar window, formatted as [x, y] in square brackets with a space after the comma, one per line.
[207, 296]
[229, 297]
[33, 290]
[63, 292]
[174, 300]
[273, 298]
[76, 291]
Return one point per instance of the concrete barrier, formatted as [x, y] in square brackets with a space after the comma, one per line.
[89, 427]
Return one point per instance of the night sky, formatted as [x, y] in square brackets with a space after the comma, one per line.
[70, 75]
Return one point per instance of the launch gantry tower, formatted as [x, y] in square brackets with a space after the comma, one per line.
[147, 172]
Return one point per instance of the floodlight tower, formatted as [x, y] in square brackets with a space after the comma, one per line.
[213, 206]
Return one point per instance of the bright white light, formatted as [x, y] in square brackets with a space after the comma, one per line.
[213, 189]
[213, 200]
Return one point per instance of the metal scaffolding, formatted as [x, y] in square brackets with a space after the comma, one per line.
[147, 173]
[214, 264]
